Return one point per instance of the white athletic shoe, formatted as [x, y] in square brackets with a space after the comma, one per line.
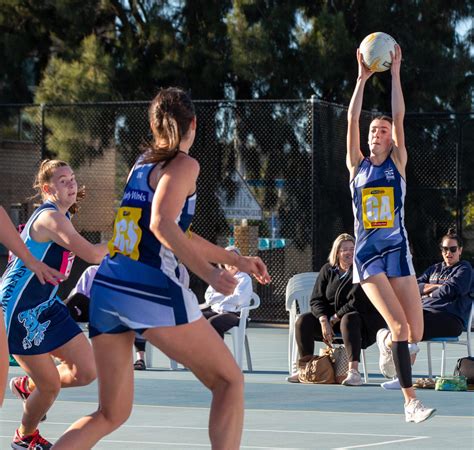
[386, 364]
[416, 412]
[353, 378]
[392, 384]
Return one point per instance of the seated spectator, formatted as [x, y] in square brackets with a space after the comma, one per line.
[338, 306]
[444, 289]
[222, 311]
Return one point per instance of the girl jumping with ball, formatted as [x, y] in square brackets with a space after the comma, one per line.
[382, 259]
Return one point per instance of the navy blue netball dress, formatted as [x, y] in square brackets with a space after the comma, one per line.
[378, 196]
[137, 285]
[36, 319]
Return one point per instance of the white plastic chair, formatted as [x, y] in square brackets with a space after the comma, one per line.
[149, 357]
[239, 336]
[298, 295]
[450, 340]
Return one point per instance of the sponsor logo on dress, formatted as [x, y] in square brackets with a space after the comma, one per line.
[135, 195]
[389, 175]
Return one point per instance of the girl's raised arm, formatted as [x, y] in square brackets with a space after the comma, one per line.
[354, 155]
[398, 112]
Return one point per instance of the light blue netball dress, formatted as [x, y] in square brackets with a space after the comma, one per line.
[36, 319]
[137, 286]
[378, 196]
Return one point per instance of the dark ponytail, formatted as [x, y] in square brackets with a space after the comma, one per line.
[171, 113]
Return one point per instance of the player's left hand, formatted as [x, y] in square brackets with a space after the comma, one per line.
[255, 267]
[396, 60]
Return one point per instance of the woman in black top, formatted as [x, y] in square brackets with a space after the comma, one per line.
[338, 306]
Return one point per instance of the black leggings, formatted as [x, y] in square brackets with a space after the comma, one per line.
[140, 344]
[221, 322]
[308, 329]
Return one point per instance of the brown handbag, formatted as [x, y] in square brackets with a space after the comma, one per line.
[316, 369]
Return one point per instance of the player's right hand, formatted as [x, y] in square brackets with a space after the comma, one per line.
[45, 273]
[364, 72]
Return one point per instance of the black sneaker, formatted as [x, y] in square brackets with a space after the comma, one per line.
[32, 442]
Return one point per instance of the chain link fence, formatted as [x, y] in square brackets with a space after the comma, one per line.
[273, 178]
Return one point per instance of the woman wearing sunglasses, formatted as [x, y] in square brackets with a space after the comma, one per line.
[444, 289]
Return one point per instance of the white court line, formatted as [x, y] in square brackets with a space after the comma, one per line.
[255, 430]
[174, 444]
[285, 411]
[397, 441]
[181, 444]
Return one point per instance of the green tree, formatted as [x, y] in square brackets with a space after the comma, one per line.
[73, 136]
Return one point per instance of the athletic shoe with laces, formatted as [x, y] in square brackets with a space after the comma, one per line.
[416, 412]
[353, 378]
[19, 387]
[386, 364]
[32, 442]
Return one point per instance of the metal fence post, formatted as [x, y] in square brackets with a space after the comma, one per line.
[43, 132]
[314, 192]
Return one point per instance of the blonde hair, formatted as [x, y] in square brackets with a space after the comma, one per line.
[171, 113]
[45, 174]
[333, 258]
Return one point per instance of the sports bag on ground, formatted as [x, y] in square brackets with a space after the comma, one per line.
[316, 369]
[465, 367]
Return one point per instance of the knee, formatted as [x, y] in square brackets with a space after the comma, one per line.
[86, 375]
[399, 331]
[115, 417]
[351, 321]
[233, 380]
[49, 387]
[415, 336]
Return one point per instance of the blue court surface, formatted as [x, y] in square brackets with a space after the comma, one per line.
[171, 408]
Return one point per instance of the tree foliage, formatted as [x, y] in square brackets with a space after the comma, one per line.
[241, 48]
[71, 136]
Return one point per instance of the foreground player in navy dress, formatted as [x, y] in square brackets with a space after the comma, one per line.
[382, 259]
[137, 287]
[38, 324]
